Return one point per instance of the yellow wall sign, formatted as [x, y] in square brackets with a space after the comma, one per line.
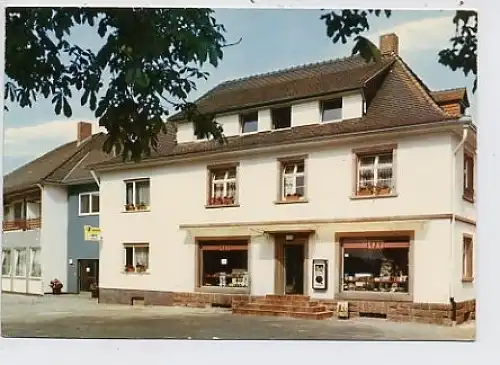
[91, 233]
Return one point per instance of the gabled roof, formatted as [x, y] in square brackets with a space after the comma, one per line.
[451, 95]
[309, 80]
[62, 165]
[398, 98]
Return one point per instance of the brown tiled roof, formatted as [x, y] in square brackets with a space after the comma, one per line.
[289, 84]
[451, 95]
[399, 99]
[55, 165]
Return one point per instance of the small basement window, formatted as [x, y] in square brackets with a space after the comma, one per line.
[282, 117]
[331, 110]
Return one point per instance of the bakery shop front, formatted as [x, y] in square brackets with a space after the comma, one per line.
[375, 266]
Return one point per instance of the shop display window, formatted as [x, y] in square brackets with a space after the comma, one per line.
[224, 265]
[375, 265]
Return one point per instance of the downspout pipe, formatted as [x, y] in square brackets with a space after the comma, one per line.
[451, 289]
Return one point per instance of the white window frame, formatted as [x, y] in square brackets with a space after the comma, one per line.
[90, 194]
[134, 193]
[31, 257]
[375, 167]
[225, 181]
[134, 246]
[9, 261]
[293, 175]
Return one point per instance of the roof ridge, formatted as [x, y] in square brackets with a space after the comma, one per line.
[288, 69]
[78, 149]
[449, 89]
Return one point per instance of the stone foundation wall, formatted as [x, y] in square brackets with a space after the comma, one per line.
[433, 313]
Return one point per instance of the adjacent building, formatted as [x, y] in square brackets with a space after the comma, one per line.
[48, 203]
[341, 181]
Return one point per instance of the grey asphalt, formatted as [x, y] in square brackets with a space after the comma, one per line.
[79, 316]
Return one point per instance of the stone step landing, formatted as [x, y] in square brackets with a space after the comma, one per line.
[294, 306]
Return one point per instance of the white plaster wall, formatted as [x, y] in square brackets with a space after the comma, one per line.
[463, 290]
[322, 246]
[53, 235]
[6, 283]
[19, 285]
[305, 113]
[178, 196]
[352, 106]
[431, 259]
[35, 286]
[185, 132]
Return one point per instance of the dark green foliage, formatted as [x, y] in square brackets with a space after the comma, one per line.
[154, 57]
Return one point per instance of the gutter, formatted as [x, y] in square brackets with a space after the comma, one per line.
[310, 142]
[453, 171]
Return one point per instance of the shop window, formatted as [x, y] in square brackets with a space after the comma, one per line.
[224, 265]
[222, 186]
[468, 193]
[375, 174]
[468, 259]
[89, 203]
[331, 110]
[35, 266]
[249, 122]
[136, 257]
[6, 262]
[375, 265]
[281, 117]
[20, 267]
[293, 182]
[137, 195]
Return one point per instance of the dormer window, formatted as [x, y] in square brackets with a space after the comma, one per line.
[331, 110]
[249, 122]
[281, 117]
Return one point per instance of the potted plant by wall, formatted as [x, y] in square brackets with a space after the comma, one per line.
[228, 200]
[129, 207]
[129, 268]
[56, 286]
[140, 268]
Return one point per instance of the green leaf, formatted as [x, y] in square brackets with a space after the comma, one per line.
[141, 79]
[66, 108]
[85, 97]
[366, 49]
[58, 105]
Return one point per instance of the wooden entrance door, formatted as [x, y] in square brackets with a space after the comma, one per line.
[88, 273]
[290, 260]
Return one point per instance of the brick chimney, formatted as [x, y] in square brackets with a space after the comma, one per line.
[84, 131]
[389, 44]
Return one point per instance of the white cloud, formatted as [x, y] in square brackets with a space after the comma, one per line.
[33, 141]
[419, 35]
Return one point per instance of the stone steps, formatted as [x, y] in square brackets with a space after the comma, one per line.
[294, 306]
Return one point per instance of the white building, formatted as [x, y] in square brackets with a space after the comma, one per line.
[353, 164]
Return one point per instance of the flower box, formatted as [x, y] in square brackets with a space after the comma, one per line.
[365, 191]
[140, 268]
[142, 206]
[292, 197]
[129, 268]
[383, 190]
[129, 207]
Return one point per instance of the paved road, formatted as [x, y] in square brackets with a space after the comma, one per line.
[78, 316]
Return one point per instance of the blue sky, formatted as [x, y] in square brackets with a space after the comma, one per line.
[271, 39]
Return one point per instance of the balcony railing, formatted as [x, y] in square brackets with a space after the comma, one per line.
[22, 224]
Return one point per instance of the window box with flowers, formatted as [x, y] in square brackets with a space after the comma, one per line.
[222, 186]
[137, 195]
[292, 181]
[136, 258]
